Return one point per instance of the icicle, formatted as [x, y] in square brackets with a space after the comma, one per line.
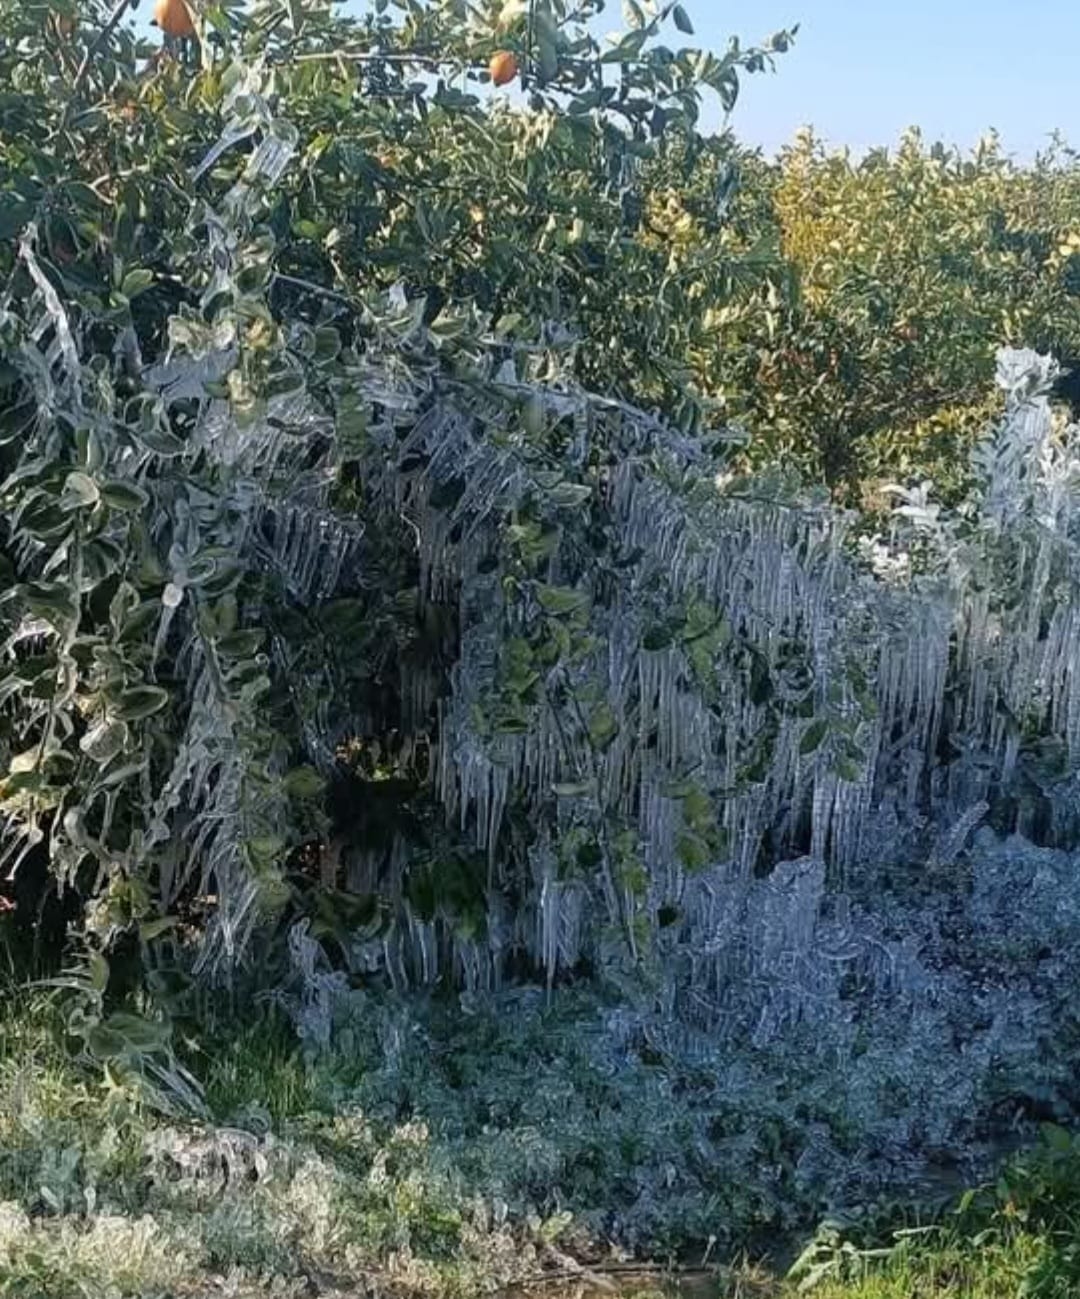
[58, 368]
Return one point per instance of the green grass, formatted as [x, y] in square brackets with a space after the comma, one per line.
[443, 1155]
[956, 1267]
[1017, 1239]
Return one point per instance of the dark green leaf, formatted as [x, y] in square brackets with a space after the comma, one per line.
[813, 736]
[122, 495]
[241, 644]
[560, 600]
[139, 702]
[682, 20]
[304, 783]
[54, 602]
[104, 741]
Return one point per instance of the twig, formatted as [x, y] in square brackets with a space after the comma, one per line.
[427, 60]
[375, 56]
[111, 23]
[317, 289]
[614, 1270]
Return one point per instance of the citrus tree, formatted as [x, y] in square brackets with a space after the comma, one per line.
[905, 272]
[232, 262]
[352, 612]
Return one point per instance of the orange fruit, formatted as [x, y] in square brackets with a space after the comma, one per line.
[503, 67]
[174, 18]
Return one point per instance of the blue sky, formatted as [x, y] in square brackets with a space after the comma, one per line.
[863, 70]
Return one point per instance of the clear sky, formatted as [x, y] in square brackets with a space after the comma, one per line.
[863, 70]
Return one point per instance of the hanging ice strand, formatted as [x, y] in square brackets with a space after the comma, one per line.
[269, 511]
[777, 575]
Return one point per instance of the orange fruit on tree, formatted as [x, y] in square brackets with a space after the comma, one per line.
[174, 18]
[503, 67]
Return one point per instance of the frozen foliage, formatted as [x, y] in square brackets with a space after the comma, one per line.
[434, 1135]
[650, 1134]
[917, 971]
[199, 490]
[660, 721]
[883, 1052]
[744, 690]
[320, 988]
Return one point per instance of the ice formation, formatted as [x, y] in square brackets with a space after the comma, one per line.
[848, 687]
[752, 724]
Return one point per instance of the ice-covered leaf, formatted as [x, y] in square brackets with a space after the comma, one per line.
[139, 702]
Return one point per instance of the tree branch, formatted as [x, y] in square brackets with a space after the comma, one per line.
[111, 23]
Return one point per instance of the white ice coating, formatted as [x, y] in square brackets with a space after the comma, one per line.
[841, 718]
[952, 654]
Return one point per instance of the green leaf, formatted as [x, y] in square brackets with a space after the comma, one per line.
[570, 496]
[102, 559]
[547, 56]
[727, 87]
[221, 576]
[105, 1043]
[22, 782]
[1056, 1138]
[813, 736]
[139, 702]
[555, 1226]
[53, 602]
[448, 325]
[761, 685]
[99, 972]
[657, 638]
[692, 851]
[264, 850]
[304, 783]
[546, 34]
[603, 727]
[152, 929]
[138, 622]
[80, 492]
[136, 1035]
[327, 344]
[241, 644]
[123, 496]
[104, 741]
[560, 600]
[627, 49]
[216, 18]
[512, 725]
[14, 214]
[682, 20]
[136, 282]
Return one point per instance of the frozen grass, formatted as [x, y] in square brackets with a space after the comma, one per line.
[449, 1154]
